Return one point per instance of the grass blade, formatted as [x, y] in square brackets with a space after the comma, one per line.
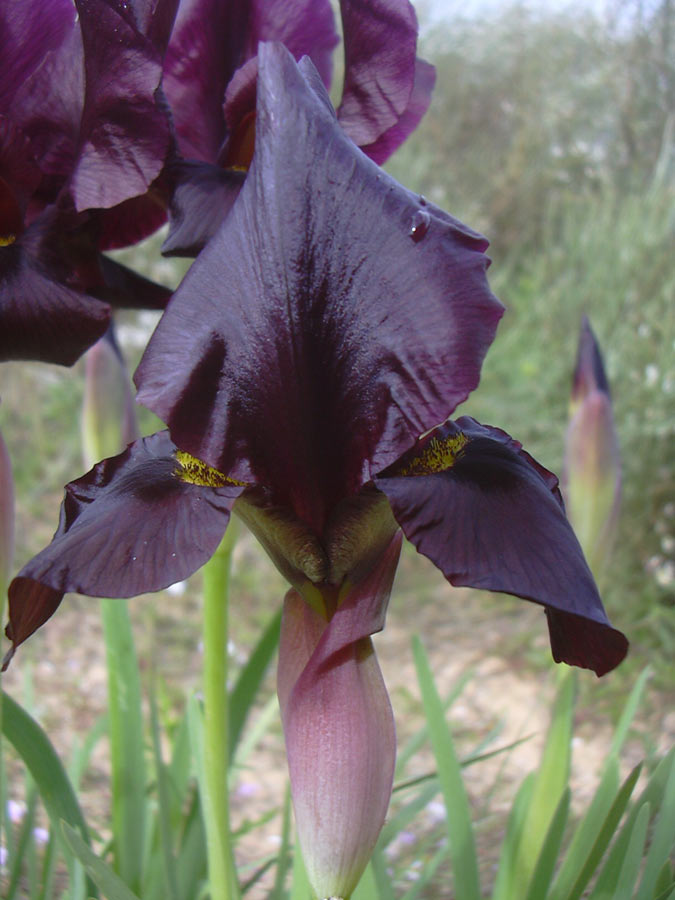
[283, 859]
[587, 869]
[460, 831]
[607, 881]
[56, 792]
[631, 863]
[300, 889]
[111, 885]
[164, 807]
[250, 678]
[628, 713]
[549, 784]
[663, 839]
[588, 829]
[543, 870]
[512, 837]
[126, 743]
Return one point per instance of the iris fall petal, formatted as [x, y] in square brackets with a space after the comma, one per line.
[131, 525]
[490, 517]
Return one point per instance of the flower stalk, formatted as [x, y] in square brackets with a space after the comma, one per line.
[222, 873]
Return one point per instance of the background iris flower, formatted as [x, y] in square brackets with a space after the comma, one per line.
[303, 368]
[210, 76]
[83, 135]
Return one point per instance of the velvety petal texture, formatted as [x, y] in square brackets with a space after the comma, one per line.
[212, 40]
[27, 35]
[132, 524]
[41, 316]
[202, 197]
[339, 728]
[333, 318]
[387, 89]
[592, 470]
[490, 517]
[124, 132]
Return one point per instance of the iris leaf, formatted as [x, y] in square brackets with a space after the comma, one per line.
[631, 863]
[543, 870]
[460, 831]
[662, 839]
[250, 678]
[164, 811]
[38, 755]
[110, 884]
[126, 743]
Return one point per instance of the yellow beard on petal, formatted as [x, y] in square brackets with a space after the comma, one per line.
[194, 471]
[438, 455]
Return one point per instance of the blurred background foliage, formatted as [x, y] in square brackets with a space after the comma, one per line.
[553, 132]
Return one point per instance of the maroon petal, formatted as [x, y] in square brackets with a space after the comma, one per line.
[129, 526]
[48, 108]
[213, 39]
[29, 30]
[42, 317]
[391, 140]
[386, 89]
[122, 287]
[124, 136]
[490, 517]
[333, 318]
[202, 198]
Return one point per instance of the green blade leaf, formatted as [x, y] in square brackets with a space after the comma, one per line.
[38, 755]
[653, 793]
[111, 885]
[586, 869]
[543, 870]
[588, 829]
[663, 838]
[549, 783]
[514, 828]
[300, 889]
[631, 863]
[126, 743]
[460, 830]
[164, 811]
[250, 678]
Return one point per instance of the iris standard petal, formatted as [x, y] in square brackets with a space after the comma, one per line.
[124, 132]
[390, 140]
[28, 32]
[338, 727]
[333, 318]
[213, 39]
[490, 517]
[384, 82]
[134, 523]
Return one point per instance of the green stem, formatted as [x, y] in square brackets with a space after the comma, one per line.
[222, 874]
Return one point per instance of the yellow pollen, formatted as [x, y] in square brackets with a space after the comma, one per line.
[7, 239]
[437, 456]
[194, 471]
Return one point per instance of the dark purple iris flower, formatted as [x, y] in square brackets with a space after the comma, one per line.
[302, 369]
[84, 134]
[210, 82]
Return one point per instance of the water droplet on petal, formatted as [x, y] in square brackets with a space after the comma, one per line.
[419, 225]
